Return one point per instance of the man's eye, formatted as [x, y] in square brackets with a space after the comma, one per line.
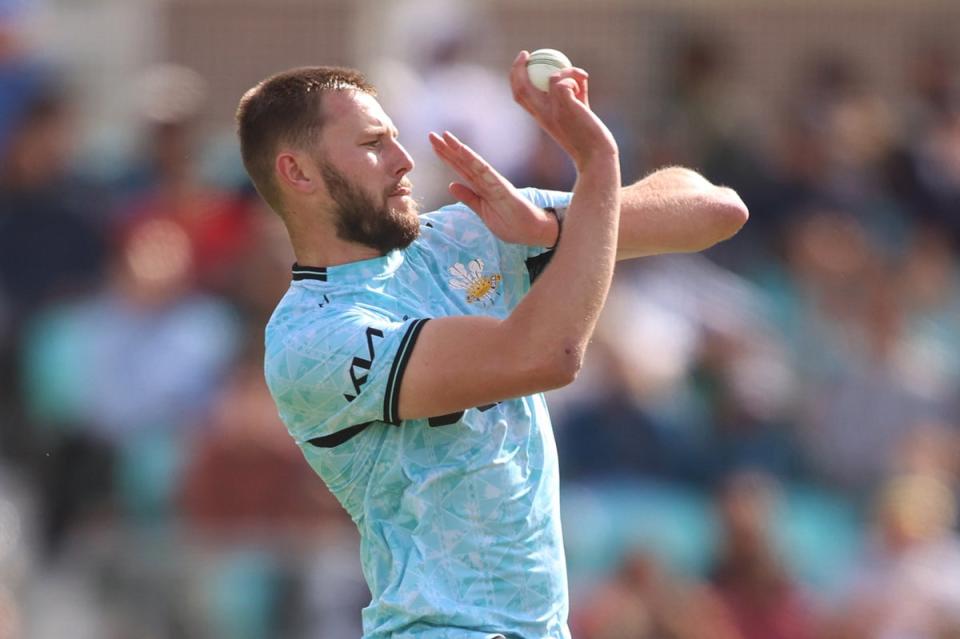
[372, 143]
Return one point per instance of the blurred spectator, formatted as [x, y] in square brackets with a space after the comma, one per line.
[742, 381]
[829, 151]
[259, 512]
[9, 617]
[689, 380]
[608, 432]
[908, 584]
[932, 84]
[927, 284]
[148, 332]
[764, 601]
[848, 331]
[703, 113]
[254, 508]
[42, 206]
[168, 185]
[244, 476]
[127, 370]
[50, 246]
[21, 71]
[931, 449]
[642, 602]
[16, 553]
[258, 280]
[927, 177]
[924, 173]
[703, 120]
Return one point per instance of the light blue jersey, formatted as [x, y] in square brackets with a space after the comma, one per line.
[458, 515]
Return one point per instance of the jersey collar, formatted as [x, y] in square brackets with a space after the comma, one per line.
[374, 268]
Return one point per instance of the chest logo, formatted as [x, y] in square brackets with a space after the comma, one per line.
[360, 366]
[480, 288]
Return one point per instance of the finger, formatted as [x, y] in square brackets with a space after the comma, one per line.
[465, 194]
[563, 88]
[518, 74]
[483, 176]
[580, 77]
[454, 158]
[472, 168]
[572, 72]
[440, 146]
[519, 63]
[524, 93]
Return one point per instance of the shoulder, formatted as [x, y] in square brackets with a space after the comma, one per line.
[313, 321]
[454, 221]
[335, 366]
[308, 341]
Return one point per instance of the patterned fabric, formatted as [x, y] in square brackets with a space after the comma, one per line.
[458, 515]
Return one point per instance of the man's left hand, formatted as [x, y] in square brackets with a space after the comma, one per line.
[507, 214]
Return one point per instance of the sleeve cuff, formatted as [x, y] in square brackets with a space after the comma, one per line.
[391, 400]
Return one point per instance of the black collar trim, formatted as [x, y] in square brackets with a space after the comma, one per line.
[309, 273]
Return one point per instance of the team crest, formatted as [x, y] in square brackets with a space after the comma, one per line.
[480, 288]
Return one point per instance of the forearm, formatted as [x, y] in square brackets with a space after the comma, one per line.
[676, 210]
[559, 313]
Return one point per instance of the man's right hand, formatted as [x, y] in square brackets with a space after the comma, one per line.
[461, 362]
[564, 111]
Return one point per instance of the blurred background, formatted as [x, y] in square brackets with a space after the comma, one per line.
[763, 443]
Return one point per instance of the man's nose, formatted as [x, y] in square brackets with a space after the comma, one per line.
[404, 162]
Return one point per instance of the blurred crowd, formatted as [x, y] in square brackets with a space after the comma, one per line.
[762, 445]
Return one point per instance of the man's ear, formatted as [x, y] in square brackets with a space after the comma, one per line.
[296, 171]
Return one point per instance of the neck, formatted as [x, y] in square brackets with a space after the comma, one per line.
[313, 236]
[325, 249]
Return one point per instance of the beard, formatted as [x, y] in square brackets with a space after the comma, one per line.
[361, 219]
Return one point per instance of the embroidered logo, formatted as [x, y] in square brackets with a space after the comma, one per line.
[480, 288]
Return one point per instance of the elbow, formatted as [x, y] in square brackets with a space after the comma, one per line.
[724, 214]
[730, 213]
[559, 367]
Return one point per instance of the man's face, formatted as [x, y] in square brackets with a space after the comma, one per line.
[364, 169]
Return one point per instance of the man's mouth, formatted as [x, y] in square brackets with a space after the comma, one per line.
[402, 189]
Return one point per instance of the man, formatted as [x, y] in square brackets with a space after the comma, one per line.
[408, 356]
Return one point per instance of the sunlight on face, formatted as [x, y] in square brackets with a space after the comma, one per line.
[359, 217]
[365, 170]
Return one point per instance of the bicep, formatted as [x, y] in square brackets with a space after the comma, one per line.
[458, 363]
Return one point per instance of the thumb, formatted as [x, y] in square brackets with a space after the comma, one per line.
[466, 195]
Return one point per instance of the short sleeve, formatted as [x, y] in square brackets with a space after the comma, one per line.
[339, 371]
[545, 199]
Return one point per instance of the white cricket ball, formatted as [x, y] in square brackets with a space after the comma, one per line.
[543, 63]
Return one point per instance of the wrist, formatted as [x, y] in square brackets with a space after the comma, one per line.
[599, 158]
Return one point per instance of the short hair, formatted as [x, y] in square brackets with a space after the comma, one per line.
[286, 109]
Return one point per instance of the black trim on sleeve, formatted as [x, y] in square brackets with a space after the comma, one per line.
[339, 437]
[552, 211]
[391, 396]
[535, 265]
[445, 420]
